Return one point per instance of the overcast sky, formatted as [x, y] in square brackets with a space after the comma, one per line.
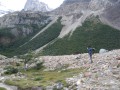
[19, 4]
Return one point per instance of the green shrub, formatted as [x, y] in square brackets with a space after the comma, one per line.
[5, 32]
[1, 88]
[10, 70]
[39, 66]
[38, 78]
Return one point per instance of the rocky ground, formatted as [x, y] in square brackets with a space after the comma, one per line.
[102, 74]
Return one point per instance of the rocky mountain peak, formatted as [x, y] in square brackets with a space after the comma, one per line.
[36, 5]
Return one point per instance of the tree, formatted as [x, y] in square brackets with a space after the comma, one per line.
[27, 58]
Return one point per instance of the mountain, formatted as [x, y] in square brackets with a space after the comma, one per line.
[4, 10]
[36, 5]
[111, 15]
[17, 26]
[68, 29]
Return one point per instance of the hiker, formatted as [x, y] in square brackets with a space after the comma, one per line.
[90, 52]
[26, 66]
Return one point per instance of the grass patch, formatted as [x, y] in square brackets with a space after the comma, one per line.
[91, 33]
[1, 88]
[43, 78]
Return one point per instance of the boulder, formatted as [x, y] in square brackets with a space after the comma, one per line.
[103, 51]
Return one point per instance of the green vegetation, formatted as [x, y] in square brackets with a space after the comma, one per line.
[39, 66]
[45, 37]
[10, 70]
[10, 50]
[28, 57]
[6, 33]
[92, 33]
[1, 88]
[43, 78]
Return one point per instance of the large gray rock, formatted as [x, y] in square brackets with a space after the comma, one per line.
[103, 51]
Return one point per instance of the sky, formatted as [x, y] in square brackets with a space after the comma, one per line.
[19, 4]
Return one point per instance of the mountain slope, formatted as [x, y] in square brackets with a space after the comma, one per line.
[43, 38]
[49, 34]
[27, 30]
[19, 27]
[111, 16]
[92, 32]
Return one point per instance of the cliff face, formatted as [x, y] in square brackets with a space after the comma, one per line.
[111, 15]
[36, 5]
[76, 6]
[13, 19]
[21, 24]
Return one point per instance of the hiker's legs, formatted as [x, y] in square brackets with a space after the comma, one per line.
[91, 58]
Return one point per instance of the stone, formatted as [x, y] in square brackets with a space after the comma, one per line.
[87, 74]
[78, 82]
[118, 58]
[103, 51]
[37, 88]
[59, 85]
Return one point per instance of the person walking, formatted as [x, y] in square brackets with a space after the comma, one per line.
[90, 52]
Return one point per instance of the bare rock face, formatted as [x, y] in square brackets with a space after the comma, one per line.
[98, 4]
[71, 9]
[20, 24]
[112, 15]
[13, 19]
[72, 6]
[76, 6]
[36, 5]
